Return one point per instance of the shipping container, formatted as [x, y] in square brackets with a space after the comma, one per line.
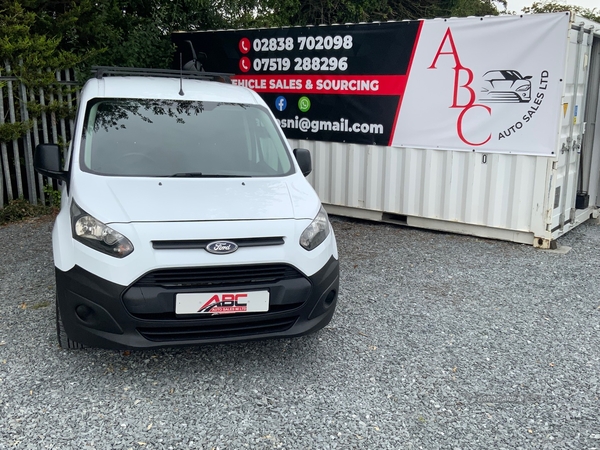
[481, 125]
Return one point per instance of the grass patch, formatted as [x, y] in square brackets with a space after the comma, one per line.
[39, 305]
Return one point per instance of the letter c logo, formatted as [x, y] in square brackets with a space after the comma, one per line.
[459, 125]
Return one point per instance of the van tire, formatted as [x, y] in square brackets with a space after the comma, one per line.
[61, 334]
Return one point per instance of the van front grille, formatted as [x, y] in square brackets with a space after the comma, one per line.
[218, 276]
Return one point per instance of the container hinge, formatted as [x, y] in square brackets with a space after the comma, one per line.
[591, 35]
[561, 221]
[580, 33]
[572, 216]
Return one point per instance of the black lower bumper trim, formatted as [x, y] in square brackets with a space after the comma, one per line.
[203, 332]
[95, 312]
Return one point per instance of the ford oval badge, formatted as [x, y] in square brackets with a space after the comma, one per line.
[221, 247]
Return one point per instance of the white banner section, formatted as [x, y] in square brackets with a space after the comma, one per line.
[491, 84]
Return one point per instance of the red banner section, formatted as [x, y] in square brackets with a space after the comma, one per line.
[324, 84]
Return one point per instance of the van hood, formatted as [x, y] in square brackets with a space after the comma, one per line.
[125, 199]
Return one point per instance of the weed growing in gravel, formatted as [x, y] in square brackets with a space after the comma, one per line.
[43, 304]
[21, 209]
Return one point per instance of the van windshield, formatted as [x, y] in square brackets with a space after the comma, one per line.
[163, 138]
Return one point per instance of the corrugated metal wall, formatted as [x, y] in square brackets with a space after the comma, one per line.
[491, 190]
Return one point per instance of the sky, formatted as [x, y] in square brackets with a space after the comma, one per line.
[516, 5]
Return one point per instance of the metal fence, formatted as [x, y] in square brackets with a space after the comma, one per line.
[47, 114]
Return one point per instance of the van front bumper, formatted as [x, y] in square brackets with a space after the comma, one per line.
[98, 313]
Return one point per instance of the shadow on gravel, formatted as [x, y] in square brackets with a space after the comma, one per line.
[276, 355]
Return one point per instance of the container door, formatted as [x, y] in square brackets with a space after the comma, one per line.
[569, 173]
[590, 150]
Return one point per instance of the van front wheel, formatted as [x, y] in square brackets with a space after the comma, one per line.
[63, 339]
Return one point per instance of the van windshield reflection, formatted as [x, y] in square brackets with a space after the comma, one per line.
[188, 139]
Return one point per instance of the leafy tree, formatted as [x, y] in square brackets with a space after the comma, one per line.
[463, 8]
[342, 11]
[28, 55]
[137, 32]
[545, 6]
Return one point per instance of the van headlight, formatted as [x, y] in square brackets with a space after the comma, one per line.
[91, 232]
[316, 232]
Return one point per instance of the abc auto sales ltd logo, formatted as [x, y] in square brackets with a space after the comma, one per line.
[497, 86]
[225, 303]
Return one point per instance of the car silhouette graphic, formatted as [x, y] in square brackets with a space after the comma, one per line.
[505, 86]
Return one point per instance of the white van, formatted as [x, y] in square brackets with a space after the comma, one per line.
[185, 218]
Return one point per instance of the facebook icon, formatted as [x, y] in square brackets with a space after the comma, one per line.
[280, 103]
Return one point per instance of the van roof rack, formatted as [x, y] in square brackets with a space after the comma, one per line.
[102, 71]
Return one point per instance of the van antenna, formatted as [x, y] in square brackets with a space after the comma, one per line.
[180, 74]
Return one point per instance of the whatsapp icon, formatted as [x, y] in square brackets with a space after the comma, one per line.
[303, 104]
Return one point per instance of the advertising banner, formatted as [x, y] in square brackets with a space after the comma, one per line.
[488, 84]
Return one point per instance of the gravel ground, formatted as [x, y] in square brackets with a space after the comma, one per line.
[439, 341]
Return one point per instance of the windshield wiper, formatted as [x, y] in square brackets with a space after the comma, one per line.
[206, 175]
[188, 174]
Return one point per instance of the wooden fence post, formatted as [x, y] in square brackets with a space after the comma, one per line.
[4, 154]
[15, 142]
[27, 150]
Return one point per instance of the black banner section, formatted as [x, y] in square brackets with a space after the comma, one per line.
[334, 118]
[339, 83]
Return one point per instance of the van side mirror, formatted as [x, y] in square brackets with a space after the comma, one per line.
[46, 161]
[196, 63]
[304, 161]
